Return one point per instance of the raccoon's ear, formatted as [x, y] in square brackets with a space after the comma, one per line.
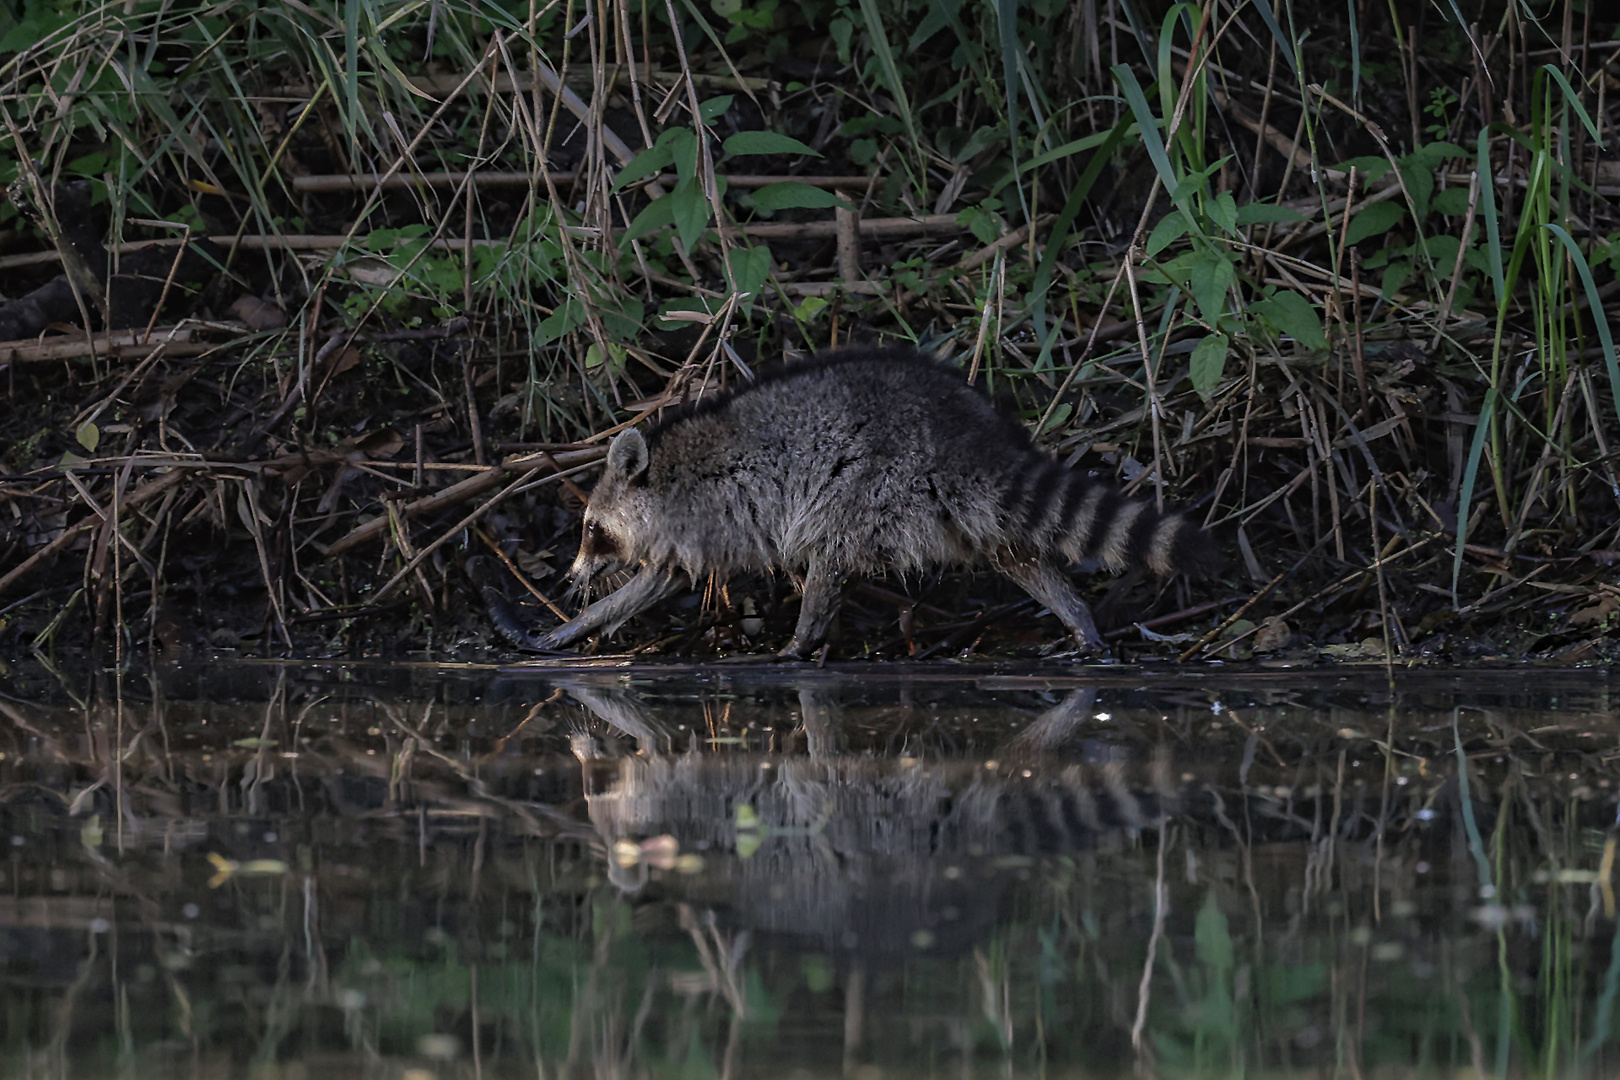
[627, 454]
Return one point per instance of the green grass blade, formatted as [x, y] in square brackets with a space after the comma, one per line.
[1493, 225]
[891, 72]
[1466, 497]
[1059, 233]
[1285, 45]
[1574, 101]
[1149, 124]
[1605, 335]
[351, 68]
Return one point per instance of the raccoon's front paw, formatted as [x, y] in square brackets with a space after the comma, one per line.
[796, 650]
[562, 638]
[507, 622]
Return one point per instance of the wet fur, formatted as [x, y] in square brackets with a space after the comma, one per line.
[860, 461]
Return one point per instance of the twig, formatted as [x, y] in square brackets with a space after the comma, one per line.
[469, 488]
[492, 178]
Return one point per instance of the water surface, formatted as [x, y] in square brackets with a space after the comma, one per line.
[908, 871]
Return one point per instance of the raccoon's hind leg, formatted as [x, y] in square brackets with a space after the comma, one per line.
[636, 595]
[1052, 587]
[823, 591]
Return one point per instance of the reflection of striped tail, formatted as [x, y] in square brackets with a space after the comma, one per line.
[1057, 511]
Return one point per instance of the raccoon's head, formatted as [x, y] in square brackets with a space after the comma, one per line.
[616, 518]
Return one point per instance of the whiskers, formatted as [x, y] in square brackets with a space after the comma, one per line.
[584, 584]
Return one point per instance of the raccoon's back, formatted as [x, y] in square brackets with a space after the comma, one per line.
[876, 458]
[881, 459]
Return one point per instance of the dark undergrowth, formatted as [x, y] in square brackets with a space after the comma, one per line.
[367, 284]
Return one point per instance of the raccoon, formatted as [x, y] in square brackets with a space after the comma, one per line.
[858, 461]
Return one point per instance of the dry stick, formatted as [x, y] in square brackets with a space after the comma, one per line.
[1085, 353]
[506, 84]
[975, 259]
[1356, 359]
[622, 28]
[1533, 489]
[141, 494]
[1597, 431]
[478, 512]
[1457, 267]
[332, 182]
[573, 488]
[984, 328]
[118, 343]
[928, 225]
[272, 584]
[82, 280]
[849, 251]
[1340, 584]
[1136, 236]
[1264, 591]
[523, 579]
[1161, 909]
[1152, 384]
[94, 410]
[460, 492]
[1383, 595]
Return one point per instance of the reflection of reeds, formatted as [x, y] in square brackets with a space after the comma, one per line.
[431, 873]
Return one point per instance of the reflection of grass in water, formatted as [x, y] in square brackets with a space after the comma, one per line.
[1272, 958]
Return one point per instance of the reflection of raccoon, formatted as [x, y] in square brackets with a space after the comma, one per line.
[858, 851]
[860, 461]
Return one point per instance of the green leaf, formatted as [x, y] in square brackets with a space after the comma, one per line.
[690, 210]
[1293, 315]
[89, 164]
[88, 435]
[1148, 125]
[750, 268]
[626, 323]
[1374, 220]
[683, 145]
[651, 160]
[796, 194]
[1442, 251]
[1367, 168]
[570, 316]
[1395, 275]
[766, 142]
[654, 216]
[1605, 336]
[1223, 212]
[1265, 213]
[1417, 174]
[1432, 154]
[809, 308]
[1452, 202]
[715, 107]
[985, 227]
[1172, 227]
[1208, 363]
[1210, 275]
[939, 13]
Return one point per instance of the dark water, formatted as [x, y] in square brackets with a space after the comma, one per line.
[312, 871]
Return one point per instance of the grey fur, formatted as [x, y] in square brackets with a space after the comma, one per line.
[856, 462]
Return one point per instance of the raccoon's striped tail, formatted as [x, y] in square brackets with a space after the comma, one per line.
[1078, 518]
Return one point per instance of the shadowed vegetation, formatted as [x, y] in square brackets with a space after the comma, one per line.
[367, 284]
